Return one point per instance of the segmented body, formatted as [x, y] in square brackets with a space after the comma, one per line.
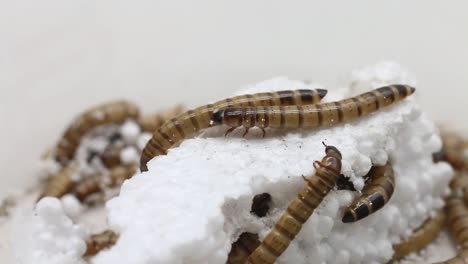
[59, 184]
[376, 194]
[114, 112]
[94, 184]
[192, 121]
[459, 186]
[422, 237]
[242, 248]
[455, 150]
[100, 241]
[154, 121]
[300, 209]
[312, 116]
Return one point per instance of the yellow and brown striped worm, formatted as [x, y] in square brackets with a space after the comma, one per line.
[300, 209]
[421, 237]
[94, 184]
[59, 184]
[311, 116]
[242, 248]
[113, 112]
[192, 121]
[98, 242]
[376, 193]
[153, 121]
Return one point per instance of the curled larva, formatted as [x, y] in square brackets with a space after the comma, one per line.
[375, 195]
[300, 209]
[192, 121]
[114, 112]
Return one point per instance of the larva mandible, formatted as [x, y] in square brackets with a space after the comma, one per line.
[375, 195]
[421, 237]
[242, 248]
[300, 209]
[93, 184]
[59, 184]
[311, 116]
[192, 121]
[99, 241]
[113, 112]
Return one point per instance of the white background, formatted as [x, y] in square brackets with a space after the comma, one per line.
[58, 57]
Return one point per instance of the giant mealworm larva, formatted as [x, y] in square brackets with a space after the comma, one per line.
[455, 150]
[311, 116]
[421, 237]
[375, 195]
[113, 112]
[98, 242]
[300, 209]
[59, 184]
[93, 184]
[192, 121]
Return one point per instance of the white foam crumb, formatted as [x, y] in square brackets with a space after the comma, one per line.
[142, 140]
[48, 236]
[129, 155]
[130, 131]
[193, 203]
[71, 205]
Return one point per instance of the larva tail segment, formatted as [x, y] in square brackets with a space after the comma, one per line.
[377, 192]
[314, 115]
[422, 237]
[59, 184]
[300, 209]
[100, 241]
[113, 112]
[190, 122]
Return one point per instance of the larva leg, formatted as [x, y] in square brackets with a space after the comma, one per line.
[229, 131]
[99, 242]
[376, 194]
[300, 209]
[114, 112]
[189, 123]
[315, 115]
[424, 235]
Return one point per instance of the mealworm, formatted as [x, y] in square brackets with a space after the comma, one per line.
[242, 248]
[421, 237]
[93, 184]
[98, 242]
[455, 150]
[459, 185]
[113, 112]
[152, 122]
[300, 209]
[59, 184]
[311, 116]
[192, 121]
[376, 194]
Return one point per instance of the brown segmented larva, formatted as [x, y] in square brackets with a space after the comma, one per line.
[192, 121]
[98, 242]
[93, 184]
[300, 209]
[312, 116]
[152, 122]
[455, 150]
[421, 237]
[113, 112]
[459, 185]
[375, 195]
[59, 184]
[242, 248]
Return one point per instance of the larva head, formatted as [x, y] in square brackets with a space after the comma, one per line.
[217, 118]
[332, 160]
